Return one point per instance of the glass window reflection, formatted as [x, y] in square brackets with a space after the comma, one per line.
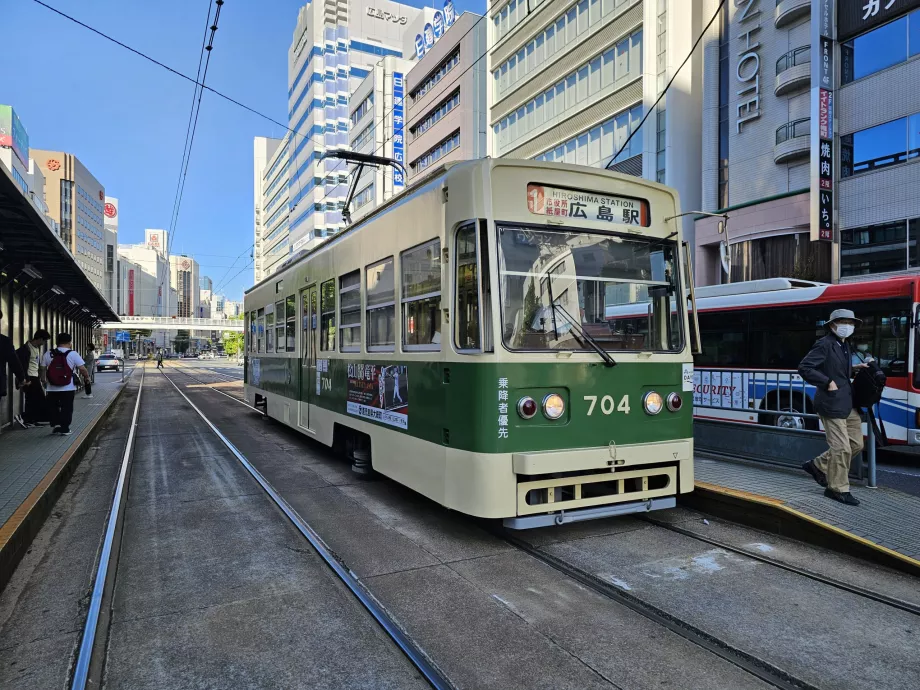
[876, 147]
[878, 49]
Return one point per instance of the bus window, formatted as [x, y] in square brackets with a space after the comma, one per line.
[781, 337]
[467, 318]
[723, 339]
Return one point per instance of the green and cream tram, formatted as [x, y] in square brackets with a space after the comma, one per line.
[502, 337]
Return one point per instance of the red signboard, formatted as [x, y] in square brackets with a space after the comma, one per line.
[131, 292]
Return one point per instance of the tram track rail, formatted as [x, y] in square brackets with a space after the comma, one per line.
[760, 668]
[894, 602]
[389, 625]
[211, 385]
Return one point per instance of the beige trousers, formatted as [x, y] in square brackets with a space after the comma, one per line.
[845, 438]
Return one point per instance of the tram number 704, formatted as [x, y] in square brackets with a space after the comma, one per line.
[608, 404]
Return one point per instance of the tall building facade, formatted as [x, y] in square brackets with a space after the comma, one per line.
[183, 278]
[110, 242]
[816, 159]
[270, 194]
[76, 200]
[143, 282]
[572, 81]
[377, 126]
[336, 43]
[447, 100]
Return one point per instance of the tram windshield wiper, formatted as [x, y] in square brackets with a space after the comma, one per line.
[582, 334]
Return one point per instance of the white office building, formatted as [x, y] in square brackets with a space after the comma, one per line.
[570, 81]
[336, 45]
[270, 193]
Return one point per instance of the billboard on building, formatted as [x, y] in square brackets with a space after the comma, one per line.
[110, 211]
[156, 239]
[13, 135]
[398, 125]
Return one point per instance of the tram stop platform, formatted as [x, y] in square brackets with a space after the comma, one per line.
[885, 527]
[35, 466]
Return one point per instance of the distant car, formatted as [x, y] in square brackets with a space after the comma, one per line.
[108, 360]
[206, 355]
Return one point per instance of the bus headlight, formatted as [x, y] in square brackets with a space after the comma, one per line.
[527, 407]
[674, 402]
[553, 406]
[652, 403]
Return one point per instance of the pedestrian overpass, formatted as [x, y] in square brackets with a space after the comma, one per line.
[173, 323]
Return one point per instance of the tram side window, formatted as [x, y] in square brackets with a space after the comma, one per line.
[305, 325]
[270, 328]
[253, 325]
[350, 312]
[290, 318]
[260, 330]
[327, 314]
[279, 326]
[421, 296]
[467, 318]
[381, 306]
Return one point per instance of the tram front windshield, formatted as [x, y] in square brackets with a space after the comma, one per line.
[560, 289]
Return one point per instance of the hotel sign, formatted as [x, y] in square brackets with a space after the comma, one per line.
[858, 16]
[747, 70]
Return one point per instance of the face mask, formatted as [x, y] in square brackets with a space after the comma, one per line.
[862, 348]
[845, 330]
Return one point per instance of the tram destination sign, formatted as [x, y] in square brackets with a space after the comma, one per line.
[571, 203]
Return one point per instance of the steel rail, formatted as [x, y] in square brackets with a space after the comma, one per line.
[217, 390]
[85, 653]
[419, 659]
[764, 670]
[909, 607]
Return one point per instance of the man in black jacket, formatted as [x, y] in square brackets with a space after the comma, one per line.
[8, 357]
[30, 354]
[828, 367]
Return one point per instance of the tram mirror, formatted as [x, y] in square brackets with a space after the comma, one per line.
[895, 324]
[721, 227]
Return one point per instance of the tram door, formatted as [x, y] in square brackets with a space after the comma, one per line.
[308, 344]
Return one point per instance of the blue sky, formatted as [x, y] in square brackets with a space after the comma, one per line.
[126, 118]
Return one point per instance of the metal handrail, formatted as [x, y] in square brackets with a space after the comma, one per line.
[777, 383]
[793, 130]
[793, 58]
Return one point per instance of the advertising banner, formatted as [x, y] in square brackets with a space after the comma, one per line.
[450, 14]
[13, 134]
[821, 174]
[419, 46]
[859, 16]
[437, 23]
[428, 33]
[379, 392]
[131, 292]
[399, 153]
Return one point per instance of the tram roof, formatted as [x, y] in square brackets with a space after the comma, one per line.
[25, 238]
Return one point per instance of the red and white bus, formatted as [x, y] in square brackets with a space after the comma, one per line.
[754, 334]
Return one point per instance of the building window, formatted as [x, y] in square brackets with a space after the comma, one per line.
[381, 306]
[601, 142]
[365, 137]
[350, 308]
[327, 316]
[882, 248]
[421, 297]
[437, 152]
[437, 75]
[363, 108]
[604, 73]
[365, 196]
[882, 47]
[880, 146]
[437, 113]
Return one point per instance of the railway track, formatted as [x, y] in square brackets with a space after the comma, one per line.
[89, 666]
[210, 385]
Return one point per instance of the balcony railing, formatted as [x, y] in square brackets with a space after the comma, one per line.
[799, 56]
[792, 130]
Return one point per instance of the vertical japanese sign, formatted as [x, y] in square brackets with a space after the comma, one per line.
[822, 119]
[503, 408]
[398, 126]
[131, 292]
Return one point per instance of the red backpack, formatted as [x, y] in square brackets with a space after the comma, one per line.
[59, 371]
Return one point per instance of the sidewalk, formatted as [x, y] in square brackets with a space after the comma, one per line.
[887, 521]
[32, 461]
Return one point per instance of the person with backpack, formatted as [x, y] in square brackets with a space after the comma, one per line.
[60, 365]
[829, 368]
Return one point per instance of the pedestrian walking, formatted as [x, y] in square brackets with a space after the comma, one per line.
[34, 409]
[8, 358]
[829, 368]
[159, 359]
[90, 360]
[61, 364]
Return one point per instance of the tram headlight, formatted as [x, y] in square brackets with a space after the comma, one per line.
[675, 402]
[527, 407]
[652, 403]
[553, 406]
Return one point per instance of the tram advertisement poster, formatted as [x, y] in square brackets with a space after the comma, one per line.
[379, 392]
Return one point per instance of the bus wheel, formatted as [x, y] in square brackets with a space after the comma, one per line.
[790, 421]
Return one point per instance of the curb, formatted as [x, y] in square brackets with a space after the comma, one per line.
[775, 516]
[17, 533]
